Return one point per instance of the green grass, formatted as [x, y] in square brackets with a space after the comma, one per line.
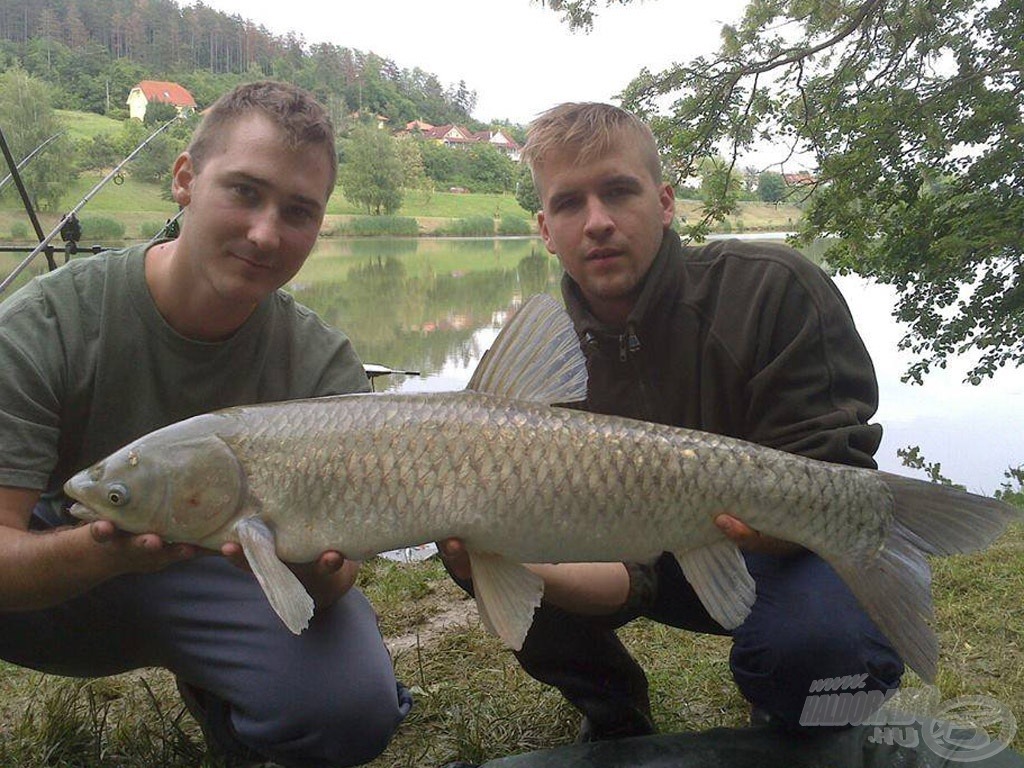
[85, 125]
[437, 205]
[472, 700]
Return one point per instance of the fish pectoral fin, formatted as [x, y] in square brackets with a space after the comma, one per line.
[287, 596]
[718, 574]
[507, 594]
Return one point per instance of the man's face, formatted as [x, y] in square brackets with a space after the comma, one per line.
[254, 208]
[604, 220]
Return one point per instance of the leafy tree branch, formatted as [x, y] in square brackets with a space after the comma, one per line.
[910, 114]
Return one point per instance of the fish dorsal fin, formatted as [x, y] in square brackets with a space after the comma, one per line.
[507, 594]
[283, 589]
[718, 574]
[536, 357]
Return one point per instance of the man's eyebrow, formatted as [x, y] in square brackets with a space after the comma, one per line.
[622, 179]
[262, 183]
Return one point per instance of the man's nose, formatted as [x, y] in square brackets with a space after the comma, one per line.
[599, 221]
[265, 228]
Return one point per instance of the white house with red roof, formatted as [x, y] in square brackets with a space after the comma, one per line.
[158, 92]
[500, 140]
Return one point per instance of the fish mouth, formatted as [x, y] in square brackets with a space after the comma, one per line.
[82, 512]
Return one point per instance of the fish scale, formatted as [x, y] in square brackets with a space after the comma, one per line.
[519, 480]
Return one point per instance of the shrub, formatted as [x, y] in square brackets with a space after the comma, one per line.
[96, 228]
[150, 229]
[514, 225]
[370, 226]
[474, 226]
[19, 230]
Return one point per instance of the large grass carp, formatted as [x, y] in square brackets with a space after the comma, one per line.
[521, 481]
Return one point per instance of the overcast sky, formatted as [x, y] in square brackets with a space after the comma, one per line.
[519, 57]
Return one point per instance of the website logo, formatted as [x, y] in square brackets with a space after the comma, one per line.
[964, 729]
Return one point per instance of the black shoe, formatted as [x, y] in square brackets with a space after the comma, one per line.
[636, 724]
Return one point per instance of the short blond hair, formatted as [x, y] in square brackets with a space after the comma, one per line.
[588, 130]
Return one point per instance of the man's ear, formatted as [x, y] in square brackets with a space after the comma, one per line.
[182, 175]
[667, 199]
[545, 233]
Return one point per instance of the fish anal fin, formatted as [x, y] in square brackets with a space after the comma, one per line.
[283, 589]
[536, 357]
[718, 574]
[507, 594]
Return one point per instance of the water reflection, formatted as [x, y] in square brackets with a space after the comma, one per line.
[435, 306]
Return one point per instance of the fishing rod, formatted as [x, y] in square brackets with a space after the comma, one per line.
[45, 242]
[170, 229]
[23, 193]
[373, 371]
[28, 158]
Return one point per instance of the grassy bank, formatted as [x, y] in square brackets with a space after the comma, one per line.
[472, 700]
[135, 204]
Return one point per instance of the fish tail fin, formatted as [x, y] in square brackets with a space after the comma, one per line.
[895, 586]
[944, 520]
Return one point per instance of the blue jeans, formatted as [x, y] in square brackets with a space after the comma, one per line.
[804, 626]
[327, 697]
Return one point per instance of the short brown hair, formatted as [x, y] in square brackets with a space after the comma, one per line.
[292, 109]
[590, 130]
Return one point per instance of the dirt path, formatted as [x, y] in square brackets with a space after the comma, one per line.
[448, 617]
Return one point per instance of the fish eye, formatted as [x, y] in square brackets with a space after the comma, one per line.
[117, 495]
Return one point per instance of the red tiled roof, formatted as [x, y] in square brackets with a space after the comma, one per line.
[167, 93]
[441, 131]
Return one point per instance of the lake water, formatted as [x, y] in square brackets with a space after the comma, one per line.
[435, 305]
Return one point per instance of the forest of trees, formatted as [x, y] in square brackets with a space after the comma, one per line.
[95, 51]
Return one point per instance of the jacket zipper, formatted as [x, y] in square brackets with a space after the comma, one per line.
[629, 347]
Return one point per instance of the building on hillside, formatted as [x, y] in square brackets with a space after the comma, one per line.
[369, 118]
[450, 135]
[453, 135]
[418, 127]
[501, 140]
[158, 92]
[799, 179]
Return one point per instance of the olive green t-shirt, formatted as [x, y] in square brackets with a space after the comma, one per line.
[88, 364]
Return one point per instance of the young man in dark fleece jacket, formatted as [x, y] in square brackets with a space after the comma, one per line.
[748, 340]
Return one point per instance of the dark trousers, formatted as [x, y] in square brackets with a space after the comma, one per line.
[325, 698]
[804, 626]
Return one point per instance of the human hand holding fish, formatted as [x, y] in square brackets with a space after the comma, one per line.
[593, 589]
[140, 553]
[326, 579]
[750, 540]
[603, 588]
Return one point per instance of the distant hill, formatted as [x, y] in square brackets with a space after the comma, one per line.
[94, 51]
